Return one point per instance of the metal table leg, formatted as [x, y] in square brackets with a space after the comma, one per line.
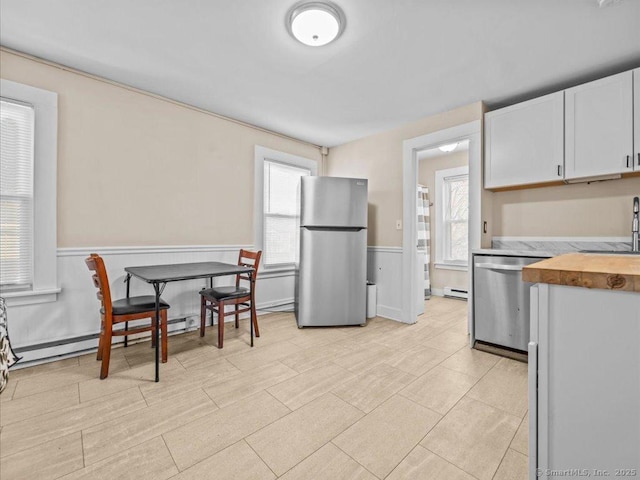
[211, 286]
[156, 287]
[127, 280]
[253, 305]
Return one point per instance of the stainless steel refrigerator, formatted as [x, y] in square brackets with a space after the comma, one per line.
[332, 272]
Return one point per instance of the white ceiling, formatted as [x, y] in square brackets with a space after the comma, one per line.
[397, 60]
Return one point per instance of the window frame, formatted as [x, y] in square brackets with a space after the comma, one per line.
[441, 261]
[263, 154]
[45, 105]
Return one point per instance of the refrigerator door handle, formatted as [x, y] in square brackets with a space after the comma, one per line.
[334, 229]
[495, 266]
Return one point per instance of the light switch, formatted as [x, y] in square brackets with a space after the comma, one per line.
[398, 224]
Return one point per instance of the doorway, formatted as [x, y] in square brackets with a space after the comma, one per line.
[412, 279]
[442, 221]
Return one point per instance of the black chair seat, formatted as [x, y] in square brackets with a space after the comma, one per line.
[225, 292]
[144, 303]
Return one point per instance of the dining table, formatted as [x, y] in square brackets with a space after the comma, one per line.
[159, 275]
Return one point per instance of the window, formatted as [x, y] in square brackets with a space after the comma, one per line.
[277, 205]
[28, 155]
[452, 218]
[16, 196]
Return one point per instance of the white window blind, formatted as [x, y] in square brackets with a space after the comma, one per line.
[281, 212]
[16, 195]
[456, 218]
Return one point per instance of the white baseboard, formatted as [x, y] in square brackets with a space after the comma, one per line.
[438, 292]
[390, 313]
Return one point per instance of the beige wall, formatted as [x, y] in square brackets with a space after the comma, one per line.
[600, 209]
[134, 169]
[379, 158]
[427, 168]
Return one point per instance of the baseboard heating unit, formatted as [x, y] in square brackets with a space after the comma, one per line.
[452, 292]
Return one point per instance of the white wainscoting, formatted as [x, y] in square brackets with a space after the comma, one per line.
[75, 313]
[384, 268]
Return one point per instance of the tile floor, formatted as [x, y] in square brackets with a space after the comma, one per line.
[387, 401]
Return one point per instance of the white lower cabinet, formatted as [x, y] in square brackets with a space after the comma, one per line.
[584, 383]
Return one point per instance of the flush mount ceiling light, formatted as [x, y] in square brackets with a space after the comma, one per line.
[315, 23]
[448, 148]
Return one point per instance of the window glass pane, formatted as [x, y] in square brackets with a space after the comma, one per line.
[16, 194]
[281, 211]
[459, 199]
[455, 203]
[281, 188]
[280, 240]
[458, 246]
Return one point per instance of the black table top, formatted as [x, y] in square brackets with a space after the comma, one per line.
[185, 271]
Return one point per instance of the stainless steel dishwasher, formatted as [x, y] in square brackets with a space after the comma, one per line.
[501, 300]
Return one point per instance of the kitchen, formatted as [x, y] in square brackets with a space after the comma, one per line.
[108, 128]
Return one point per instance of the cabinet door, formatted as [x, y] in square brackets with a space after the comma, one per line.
[524, 143]
[588, 379]
[636, 119]
[599, 127]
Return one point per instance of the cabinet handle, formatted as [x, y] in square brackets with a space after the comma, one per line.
[559, 170]
[628, 158]
[639, 159]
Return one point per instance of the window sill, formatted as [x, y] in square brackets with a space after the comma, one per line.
[31, 297]
[452, 266]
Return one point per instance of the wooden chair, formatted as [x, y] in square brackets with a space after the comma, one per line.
[123, 310]
[216, 299]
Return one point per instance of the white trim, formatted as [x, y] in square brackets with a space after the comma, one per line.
[389, 312]
[172, 249]
[440, 176]
[261, 154]
[83, 251]
[451, 266]
[282, 305]
[15, 299]
[289, 272]
[385, 249]
[45, 104]
[437, 292]
[410, 147]
[564, 239]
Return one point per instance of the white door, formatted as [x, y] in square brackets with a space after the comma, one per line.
[636, 119]
[599, 127]
[524, 143]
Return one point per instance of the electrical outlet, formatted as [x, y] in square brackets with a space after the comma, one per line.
[398, 224]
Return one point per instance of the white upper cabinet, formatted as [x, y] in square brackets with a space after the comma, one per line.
[636, 119]
[524, 143]
[599, 127]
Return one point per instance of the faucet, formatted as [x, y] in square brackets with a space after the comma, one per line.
[635, 241]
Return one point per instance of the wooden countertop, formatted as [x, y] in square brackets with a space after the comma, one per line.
[608, 272]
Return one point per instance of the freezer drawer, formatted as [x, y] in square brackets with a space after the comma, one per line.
[332, 277]
[501, 301]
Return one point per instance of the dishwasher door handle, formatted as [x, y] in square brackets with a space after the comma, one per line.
[497, 266]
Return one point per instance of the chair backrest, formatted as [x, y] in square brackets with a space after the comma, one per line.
[248, 258]
[100, 280]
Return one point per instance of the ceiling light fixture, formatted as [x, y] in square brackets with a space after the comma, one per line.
[448, 148]
[315, 23]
